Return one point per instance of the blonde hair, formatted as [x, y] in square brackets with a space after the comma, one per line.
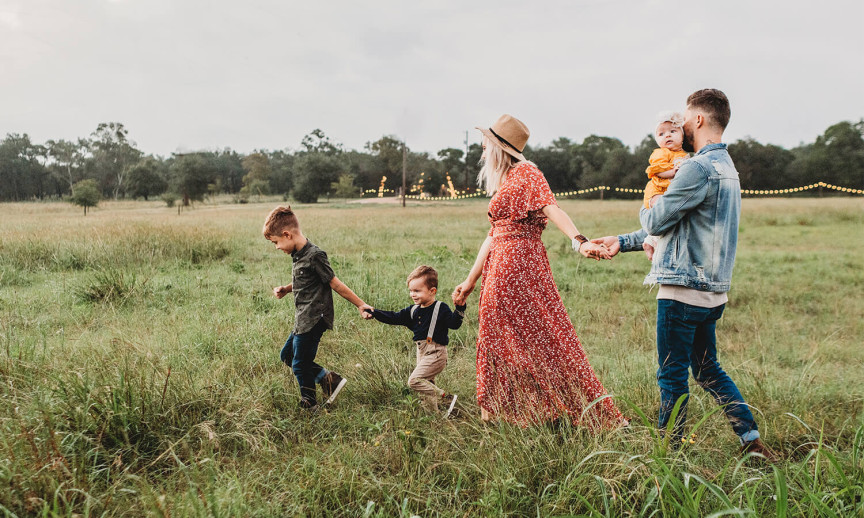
[279, 219]
[427, 273]
[494, 166]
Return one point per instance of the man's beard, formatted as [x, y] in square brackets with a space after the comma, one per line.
[687, 143]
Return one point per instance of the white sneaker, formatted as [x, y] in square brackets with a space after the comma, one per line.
[339, 386]
[451, 398]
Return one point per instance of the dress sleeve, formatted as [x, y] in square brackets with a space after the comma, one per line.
[532, 193]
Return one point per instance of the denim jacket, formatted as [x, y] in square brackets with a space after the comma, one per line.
[697, 219]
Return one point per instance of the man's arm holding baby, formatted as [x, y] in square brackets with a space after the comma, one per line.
[685, 193]
[346, 293]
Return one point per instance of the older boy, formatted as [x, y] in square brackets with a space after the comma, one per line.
[430, 320]
[311, 283]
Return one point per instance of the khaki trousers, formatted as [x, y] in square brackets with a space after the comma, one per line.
[431, 360]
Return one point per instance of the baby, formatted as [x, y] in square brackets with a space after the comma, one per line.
[664, 163]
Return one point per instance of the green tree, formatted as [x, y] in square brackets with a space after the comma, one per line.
[68, 159]
[113, 154]
[22, 172]
[318, 142]
[281, 178]
[417, 163]
[620, 165]
[40, 177]
[87, 194]
[843, 145]
[366, 168]
[258, 172]
[837, 157]
[146, 178]
[388, 151]
[190, 176]
[761, 166]
[344, 188]
[556, 163]
[594, 153]
[228, 170]
[316, 167]
[472, 165]
[452, 161]
[635, 177]
[314, 173]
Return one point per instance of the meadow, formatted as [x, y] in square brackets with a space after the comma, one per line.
[140, 376]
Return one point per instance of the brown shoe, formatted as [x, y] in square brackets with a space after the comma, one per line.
[759, 447]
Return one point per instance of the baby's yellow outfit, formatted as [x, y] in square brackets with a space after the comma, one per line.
[661, 160]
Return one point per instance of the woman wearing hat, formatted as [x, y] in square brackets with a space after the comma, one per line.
[530, 364]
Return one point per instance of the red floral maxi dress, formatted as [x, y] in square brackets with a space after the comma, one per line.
[530, 363]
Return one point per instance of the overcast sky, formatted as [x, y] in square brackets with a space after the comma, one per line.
[209, 74]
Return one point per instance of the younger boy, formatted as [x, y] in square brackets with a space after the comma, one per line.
[312, 280]
[430, 320]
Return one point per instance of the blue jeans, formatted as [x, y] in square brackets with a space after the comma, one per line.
[686, 338]
[299, 354]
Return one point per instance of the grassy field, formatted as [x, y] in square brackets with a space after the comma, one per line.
[139, 370]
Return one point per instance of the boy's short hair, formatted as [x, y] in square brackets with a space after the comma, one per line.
[714, 103]
[429, 275]
[279, 219]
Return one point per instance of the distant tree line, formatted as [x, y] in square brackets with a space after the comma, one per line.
[112, 165]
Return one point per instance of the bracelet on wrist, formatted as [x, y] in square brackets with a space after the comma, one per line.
[578, 241]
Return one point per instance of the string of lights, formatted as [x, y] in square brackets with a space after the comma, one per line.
[461, 195]
[790, 190]
[758, 192]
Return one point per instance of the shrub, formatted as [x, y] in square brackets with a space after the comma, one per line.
[169, 198]
[110, 286]
[86, 195]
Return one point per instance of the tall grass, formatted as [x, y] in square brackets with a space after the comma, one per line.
[140, 373]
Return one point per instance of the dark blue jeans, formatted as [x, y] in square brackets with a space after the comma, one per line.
[686, 339]
[299, 354]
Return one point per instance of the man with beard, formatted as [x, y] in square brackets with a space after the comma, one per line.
[698, 221]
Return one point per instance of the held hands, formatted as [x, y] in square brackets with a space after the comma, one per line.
[594, 251]
[281, 291]
[460, 294]
[591, 249]
[365, 311]
[610, 242]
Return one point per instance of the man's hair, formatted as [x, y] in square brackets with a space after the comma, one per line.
[429, 275]
[279, 219]
[714, 103]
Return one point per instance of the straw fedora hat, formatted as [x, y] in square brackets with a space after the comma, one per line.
[510, 134]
